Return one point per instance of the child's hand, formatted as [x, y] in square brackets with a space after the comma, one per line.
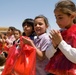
[56, 37]
[27, 40]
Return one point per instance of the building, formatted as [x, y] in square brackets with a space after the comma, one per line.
[3, 29]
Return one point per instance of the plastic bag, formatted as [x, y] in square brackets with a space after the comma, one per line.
[20, 62]
[25, 63]
[8, 69]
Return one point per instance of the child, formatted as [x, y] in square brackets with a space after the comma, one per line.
[63, 56]
[41, 43]
[17, 34]
[2, 44]
[10, 36]
[28, 27]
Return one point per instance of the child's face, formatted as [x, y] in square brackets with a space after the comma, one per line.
[40, 26]
[17, 35]
[28, 29]
[63, 20]
[10, 32]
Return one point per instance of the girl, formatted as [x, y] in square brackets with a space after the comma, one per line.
[10, 36]
[63, 61]
[28, 27]
[41, 43]
[17, 34]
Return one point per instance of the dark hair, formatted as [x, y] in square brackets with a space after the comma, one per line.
[66, 7]
[44, 18]
[2, 59]
[18, 31]
[12, 28]
[23, 34]
[28, 21]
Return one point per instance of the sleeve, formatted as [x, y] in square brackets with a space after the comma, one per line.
[68, 51]
[50, 51]
[45, 43]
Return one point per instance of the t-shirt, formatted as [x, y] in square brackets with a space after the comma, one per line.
[42, 42]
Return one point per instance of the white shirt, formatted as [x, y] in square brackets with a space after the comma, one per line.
[66, 49]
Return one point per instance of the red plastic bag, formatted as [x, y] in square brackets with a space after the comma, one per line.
[25, 63]
[20, 62]
[13, 53]
[6, 48]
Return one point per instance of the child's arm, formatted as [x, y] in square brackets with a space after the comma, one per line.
[50, 51]
[66, 49]
[40, 54]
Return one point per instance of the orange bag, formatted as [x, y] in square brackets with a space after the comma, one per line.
[13, 53]
[20, 62]
[25, 63]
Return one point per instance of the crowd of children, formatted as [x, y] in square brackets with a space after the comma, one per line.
[55, 54]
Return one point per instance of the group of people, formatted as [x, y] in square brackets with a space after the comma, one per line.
[56, 52]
